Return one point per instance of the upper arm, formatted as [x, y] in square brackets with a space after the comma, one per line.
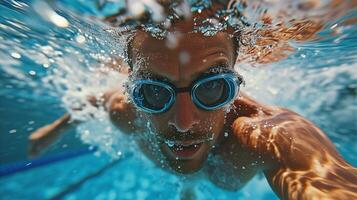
[303, 162]
[309, 166]
[122, 113]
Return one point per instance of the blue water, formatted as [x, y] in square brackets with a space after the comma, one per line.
[45, 68]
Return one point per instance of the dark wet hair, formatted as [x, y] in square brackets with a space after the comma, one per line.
[130, 24]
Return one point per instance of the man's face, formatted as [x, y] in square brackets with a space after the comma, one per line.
[185, 132]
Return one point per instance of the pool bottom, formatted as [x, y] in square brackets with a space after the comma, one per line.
[99, 177]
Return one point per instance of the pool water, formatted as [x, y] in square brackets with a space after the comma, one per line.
[50, 56]
[129, 178]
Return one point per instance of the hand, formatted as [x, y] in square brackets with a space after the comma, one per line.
[43, 137]
[40, 139]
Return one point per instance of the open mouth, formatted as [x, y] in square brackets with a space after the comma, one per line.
[184, 149]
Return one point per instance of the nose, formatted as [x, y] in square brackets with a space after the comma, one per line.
[185, 113]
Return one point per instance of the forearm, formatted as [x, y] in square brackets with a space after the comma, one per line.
[55, 128]
[332, 182]
[64, 122]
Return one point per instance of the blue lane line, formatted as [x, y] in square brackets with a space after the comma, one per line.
[12, 168]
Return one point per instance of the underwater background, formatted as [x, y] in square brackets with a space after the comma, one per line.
[50, 56]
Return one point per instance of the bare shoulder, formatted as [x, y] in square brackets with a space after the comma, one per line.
[282, 134]
[286, 136]
[122, 113]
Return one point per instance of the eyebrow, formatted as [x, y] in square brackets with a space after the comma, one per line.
[215, 69]
[219, 68]
[146, 74]
[215, 51]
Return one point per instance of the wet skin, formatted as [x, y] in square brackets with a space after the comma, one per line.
[297, 158]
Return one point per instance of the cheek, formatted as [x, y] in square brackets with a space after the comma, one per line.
[213, 119]
[159, 121]
[215, 124]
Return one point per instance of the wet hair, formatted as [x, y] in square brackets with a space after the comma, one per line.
[122, 19]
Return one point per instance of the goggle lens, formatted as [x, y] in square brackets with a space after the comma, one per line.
[152, 96]
[212, 93]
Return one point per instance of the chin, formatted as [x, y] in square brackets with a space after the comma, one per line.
[186, 162]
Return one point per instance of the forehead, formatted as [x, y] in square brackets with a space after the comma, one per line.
[183, 57]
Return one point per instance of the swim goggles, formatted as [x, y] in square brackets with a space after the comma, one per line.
[208, 93]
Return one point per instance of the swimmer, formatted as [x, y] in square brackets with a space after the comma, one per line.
[191, 95]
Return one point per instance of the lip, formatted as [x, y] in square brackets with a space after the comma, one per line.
[183, 149]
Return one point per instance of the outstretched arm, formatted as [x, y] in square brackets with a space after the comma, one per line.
[305, 164]
[111, 100]
[46, 135]
[121, 113]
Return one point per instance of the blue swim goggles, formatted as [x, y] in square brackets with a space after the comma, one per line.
[208, 93]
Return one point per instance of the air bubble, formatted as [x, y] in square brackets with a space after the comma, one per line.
[80, 39]
[12, 131]
[15, 55]
[184, 57]
[32, 73]
[169, 143]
